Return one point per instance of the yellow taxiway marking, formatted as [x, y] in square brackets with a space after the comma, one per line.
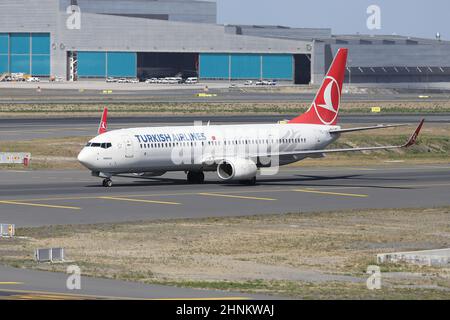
[38, 205]
[333, 193]
[202, 299]
[9, 283]
[249, 191]
[42, 297]
[234, 196]
[67, 296]
[138, 200]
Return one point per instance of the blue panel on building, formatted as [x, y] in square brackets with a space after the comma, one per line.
[40, 65]
[122, 64]
[4, 43]
[91, 64]
[20, 63]
[245, 66]
[278, 66]
[214, 66]
[4, 63]
[40, 43]
[20, 43]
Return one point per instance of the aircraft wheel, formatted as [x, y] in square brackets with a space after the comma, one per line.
[250, 182]
[107, 183]
[195, 177]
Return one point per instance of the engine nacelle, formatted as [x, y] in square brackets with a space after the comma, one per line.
[236, 169]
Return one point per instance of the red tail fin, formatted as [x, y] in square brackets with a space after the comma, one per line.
[325, 107]
[104, 122]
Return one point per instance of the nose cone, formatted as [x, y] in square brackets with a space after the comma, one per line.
[85, 158]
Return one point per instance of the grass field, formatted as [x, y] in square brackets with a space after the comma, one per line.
[302, 255]
[433, 147]
[207, 107]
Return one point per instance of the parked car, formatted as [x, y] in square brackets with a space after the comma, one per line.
[111, 79]
[33, 79]
[191, 80]
[133, 81]
[122, 80]
[248, 83]
[152, 80]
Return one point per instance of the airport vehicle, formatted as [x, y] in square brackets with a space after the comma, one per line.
[33, 79]
[191, 80]
[235, 152]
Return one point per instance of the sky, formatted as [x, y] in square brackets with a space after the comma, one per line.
[416, 18]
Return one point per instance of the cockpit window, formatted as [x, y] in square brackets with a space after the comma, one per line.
[105, 145]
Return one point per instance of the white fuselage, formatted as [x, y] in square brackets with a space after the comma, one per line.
[198, 148]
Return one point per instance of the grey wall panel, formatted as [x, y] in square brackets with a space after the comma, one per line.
[177, 10]
[28, 16]
[397, 55]
[281, 32]
[105, 32]
[318, 63]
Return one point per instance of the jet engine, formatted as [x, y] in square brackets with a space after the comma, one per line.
[236, 169]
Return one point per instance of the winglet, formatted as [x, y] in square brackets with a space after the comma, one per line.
[412, 141]
[103, 122]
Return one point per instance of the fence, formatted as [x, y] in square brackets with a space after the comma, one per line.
[15, 158]
[49, 255]
[7, 230]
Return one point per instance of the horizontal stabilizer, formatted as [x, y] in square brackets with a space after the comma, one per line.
[380, 126]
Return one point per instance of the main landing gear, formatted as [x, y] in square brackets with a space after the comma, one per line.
[107, 183]
[195, 177]
[250, 182]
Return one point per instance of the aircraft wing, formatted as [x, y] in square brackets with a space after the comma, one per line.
[380, 126]
[411, 141]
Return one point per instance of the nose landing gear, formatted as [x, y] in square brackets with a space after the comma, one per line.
[107, 183]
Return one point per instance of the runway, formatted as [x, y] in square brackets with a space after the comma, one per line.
[36, 198]
[25, 129]
[19, 284]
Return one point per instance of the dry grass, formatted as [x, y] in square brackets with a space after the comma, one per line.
[322, 255]
[55, 153]
[207, 107]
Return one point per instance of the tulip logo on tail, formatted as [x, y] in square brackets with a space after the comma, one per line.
[325, 107]
[327, 103]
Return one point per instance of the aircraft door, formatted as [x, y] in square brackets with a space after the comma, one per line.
[128, 146]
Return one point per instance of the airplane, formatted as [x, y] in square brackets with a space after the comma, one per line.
[236, 152]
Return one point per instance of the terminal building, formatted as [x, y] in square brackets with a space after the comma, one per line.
[96, 39]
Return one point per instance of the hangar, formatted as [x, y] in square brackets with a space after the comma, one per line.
[156, 38]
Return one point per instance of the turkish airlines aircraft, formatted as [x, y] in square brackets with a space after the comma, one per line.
[235, 152]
